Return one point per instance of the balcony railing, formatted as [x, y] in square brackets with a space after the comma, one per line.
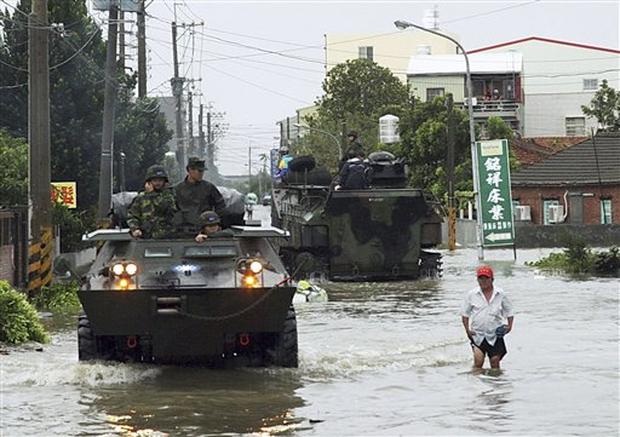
[496, 106]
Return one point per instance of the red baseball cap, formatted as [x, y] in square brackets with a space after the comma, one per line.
[484, 271]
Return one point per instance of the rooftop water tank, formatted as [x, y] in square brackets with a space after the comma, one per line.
[388, 129]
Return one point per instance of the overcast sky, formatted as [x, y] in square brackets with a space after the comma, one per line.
[258, 90]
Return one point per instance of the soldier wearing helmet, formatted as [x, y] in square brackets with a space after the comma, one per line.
[211, 227]
[195, 195]
[152, 211]
[355, 149]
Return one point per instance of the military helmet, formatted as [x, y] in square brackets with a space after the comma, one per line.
[195, 162]
[209, 218]
[156, 171]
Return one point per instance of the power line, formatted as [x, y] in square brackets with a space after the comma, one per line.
[256, 85]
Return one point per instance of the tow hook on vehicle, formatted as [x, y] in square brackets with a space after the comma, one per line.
[168, 305]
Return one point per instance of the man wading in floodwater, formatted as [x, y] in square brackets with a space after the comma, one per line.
[487, 308]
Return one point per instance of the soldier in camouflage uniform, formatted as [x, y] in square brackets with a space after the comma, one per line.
[152, 211]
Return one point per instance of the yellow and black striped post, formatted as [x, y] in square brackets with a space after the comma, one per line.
[40, 258]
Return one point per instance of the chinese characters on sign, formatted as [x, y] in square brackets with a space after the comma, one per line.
[495, 195]
[65, 193]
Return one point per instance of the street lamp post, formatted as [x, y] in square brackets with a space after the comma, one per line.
[329, 134]
[472, 131]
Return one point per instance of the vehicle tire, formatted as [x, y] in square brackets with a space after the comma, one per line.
[302, 163]
[87, 342]
[430, 264]
[91, 347]
[283, 353]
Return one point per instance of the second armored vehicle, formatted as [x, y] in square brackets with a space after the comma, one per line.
[378, 233]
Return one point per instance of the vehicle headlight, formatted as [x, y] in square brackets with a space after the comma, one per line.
[250, 281]
[118, 269]
[131, 269]
[256, 267]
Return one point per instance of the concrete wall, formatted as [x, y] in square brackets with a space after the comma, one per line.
[545, 114]
[450, 84]
[552, 82]
[554, 236]
[7, 264]
[529, 235]
[389, 50]
[552, 68]
[465, 233]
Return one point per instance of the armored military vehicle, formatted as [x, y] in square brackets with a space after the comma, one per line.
[382, 232]
[225, 300]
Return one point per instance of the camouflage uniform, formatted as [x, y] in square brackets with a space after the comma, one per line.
[195, 198]
[153, 212]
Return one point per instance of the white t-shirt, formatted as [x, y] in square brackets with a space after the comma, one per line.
[485, 317]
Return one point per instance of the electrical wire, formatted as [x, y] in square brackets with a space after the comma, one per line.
[256, 85]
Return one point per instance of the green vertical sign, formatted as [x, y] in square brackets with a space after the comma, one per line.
[495, 195]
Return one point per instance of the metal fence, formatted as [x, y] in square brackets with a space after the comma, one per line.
[14, 246]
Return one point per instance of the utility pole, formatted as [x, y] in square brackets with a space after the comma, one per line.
[201, 135]
[107, 135]
[210, 155]
[177, 91]
[121, 41]
[39, 173]
[450, 173]
[190, 124]
[141, 52]
[250, 167]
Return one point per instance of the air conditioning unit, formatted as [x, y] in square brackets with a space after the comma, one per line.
[523, 213]
[556, 213]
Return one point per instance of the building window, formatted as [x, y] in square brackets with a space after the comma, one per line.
[575, 126]
[548, 205]
[365, 52]
[431, 93]
[590, 84]
[606, 217]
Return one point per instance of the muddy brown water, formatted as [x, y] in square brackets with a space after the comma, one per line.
[378, 359]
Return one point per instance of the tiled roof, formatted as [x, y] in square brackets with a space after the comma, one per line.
[535, 149]
[576, 165]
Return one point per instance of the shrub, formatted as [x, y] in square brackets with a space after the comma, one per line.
[19, 321]
[73, 224]
[60, 297]
[608, 263]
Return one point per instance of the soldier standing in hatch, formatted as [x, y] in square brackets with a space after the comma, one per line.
[195, 195]
[150, 214]
[354, 149]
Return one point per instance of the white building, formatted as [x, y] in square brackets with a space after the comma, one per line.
[541, 83]
[391, 50]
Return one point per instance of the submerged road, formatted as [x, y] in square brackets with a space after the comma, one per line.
[377, 359]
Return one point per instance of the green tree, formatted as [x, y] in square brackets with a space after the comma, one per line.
[496, 128]
[359, 87]
[605, 107]
[77, 62]
[141, 134]
[423, 133]
[13, 170]
[77, 58]
[356, 94]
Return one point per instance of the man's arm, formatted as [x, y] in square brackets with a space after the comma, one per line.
[465, 320]
[217, 200]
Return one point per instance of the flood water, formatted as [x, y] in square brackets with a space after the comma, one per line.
[378, 359]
